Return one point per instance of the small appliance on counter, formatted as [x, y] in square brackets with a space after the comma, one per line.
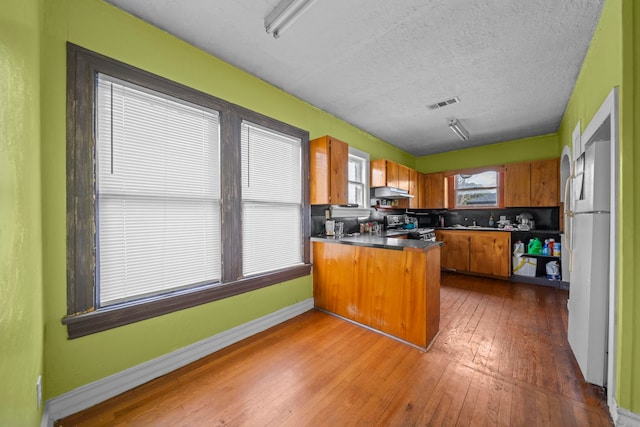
[525, 221]
[330, 227]
[504, 223]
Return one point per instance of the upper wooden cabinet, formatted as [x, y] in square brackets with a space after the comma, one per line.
[404, 174]
[545, 183]
[432, 191]
[378, 173]
[414, 189]
[533, 183]
[385, 173]
[517, 184]
[328, 171]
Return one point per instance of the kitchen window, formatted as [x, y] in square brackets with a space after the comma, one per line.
[475, 189]
[173, 196]
[358, 177]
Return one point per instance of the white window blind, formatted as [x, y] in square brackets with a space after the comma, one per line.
[271, 200]
[358, 177]
[158, 193]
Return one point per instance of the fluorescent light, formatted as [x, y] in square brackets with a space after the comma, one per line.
[457, 128]
[284, 15]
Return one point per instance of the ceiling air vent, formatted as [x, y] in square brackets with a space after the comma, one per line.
[444, 103]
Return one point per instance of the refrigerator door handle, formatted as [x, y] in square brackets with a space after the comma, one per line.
[569, 214]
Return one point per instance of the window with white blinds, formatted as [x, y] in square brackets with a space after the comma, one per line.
[358, 178]
[271, 200]
[157, 195]
[162, 182]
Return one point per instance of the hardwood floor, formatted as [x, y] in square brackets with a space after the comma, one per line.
[501, 358]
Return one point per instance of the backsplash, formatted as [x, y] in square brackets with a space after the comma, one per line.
[545, 218]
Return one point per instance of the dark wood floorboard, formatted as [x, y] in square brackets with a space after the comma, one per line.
[501, 359]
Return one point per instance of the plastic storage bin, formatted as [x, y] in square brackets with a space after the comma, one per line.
[524, 266]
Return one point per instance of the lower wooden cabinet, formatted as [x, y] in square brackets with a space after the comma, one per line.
[481, 252]
[454, 252]
[489, 253]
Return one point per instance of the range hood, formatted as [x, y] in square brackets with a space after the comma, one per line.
[391, 193]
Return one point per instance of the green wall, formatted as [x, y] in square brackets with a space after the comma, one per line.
[33, 36]
[520, 150]
[100, 27]
[610, 62]
[21, 330]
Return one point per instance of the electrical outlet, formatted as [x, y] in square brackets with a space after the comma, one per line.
[39, 391]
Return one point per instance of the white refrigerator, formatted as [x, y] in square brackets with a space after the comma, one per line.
[589, 286]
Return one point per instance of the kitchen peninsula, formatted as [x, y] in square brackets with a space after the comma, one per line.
[391, 285]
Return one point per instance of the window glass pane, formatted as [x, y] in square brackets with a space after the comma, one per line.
[357, 167]
[355, 193]
[479, 180]
[271, 200]
[476, 189]
[158, 193]
[483, 197]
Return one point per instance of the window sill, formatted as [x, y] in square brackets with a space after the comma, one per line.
[83, 324]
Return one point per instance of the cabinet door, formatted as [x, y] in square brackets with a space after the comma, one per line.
[422, 190]
[434, 191]
[545, 182]
[489, 253]
[328, 171]
[404, 174]
[517, 185]
[319, 171]
[502, 253]
[339, 186]
[454, 252]
[414, 189]
[393, 177]
[378, 175]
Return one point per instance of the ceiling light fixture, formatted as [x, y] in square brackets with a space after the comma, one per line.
[284, 15]
[457, 128]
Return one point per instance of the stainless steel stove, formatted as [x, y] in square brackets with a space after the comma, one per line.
[408, 223]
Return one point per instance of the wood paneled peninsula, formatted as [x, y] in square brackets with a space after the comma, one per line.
[391, 285]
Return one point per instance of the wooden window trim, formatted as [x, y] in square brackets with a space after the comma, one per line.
[82, 316]
[473, 171]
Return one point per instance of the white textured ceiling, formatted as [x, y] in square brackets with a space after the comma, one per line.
[378, 63]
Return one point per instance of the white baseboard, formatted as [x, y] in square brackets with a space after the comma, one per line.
[91, 394]
[626, 418]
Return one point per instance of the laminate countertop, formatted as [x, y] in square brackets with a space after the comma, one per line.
[380, 240]
[512, 230]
